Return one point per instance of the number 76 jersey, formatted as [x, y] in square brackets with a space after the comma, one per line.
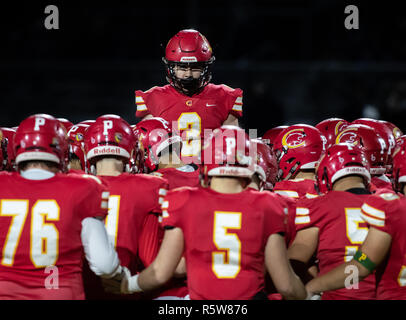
[225, 237]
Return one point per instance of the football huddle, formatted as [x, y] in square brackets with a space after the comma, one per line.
[186, 205]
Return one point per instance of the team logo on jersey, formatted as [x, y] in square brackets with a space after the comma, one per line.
[118, 137]
[189, 103]
[347, 136]
[294, 139]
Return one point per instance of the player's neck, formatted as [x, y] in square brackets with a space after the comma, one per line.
[109, 167]
[305, 175]
[227, 184]
[347, 183]
[255, 182]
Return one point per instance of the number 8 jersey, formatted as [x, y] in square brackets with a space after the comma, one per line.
[191, 115]
[225, 237]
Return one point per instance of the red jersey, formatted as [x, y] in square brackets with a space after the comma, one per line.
[177, 178]
[381, 182]
[337, 215]
[386, 212]
[134, 206]
[41, 223]
[296, 189]
[190, 116]
[225, 237]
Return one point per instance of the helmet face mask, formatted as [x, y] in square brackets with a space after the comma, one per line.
[188, 49]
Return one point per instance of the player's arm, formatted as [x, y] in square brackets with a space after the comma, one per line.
[231, 120]
[302, 250]
[285, 280]
[162, 268]
[100, 253]
[372, 252]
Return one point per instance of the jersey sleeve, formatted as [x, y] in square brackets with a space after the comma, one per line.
[275, 217]
[380, 211]
[157, 194]
[307, 213]
[143, 103]
[172, 208]
[94, 198]
[235, 96]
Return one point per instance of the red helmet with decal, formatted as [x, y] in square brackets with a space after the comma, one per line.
[7, 146]
[385, 132]
[341, 160]
[227, 152]
[395, 130]
[399, 167]
[266, 164]
[41, 137]
[188, 48]
[270, 136]
[153, 135]
[298, 147]
[330, 128]
[373, 144]
[76, 136]
[109, 135]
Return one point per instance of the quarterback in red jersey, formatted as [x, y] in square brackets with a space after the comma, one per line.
[134, 201]
[227, 241]
[189, 102]
[49, 219]
[384, 248]
[331, 224]
[157, 152]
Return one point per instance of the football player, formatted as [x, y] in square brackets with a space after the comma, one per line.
[270, 135]
[158, 150]
[48, 219]
[77, 159]
[298, 148]
[331, 225]
[226, 239]
[134, 201]
[190, 103]
[383, 249]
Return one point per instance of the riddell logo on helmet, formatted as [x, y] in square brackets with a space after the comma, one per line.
[188, 59]
[107, 150]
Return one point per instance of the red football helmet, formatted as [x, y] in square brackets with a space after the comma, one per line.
[109, 135]
[76, 136]
[153, 135]
[385, 132]
[266, 164]
[373, 144]
[395, 130]
[399, 167]
[330, 128]
[227, 152]
[66, 123]
[188, 48]
[341, 160]
[88, 122]
[7, 146]
[270, 136]
[298, 147]
[41, 137]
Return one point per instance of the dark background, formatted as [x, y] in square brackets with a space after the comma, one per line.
[295, 60]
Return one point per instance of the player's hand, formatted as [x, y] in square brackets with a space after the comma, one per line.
[113, 285]
[129, 284]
